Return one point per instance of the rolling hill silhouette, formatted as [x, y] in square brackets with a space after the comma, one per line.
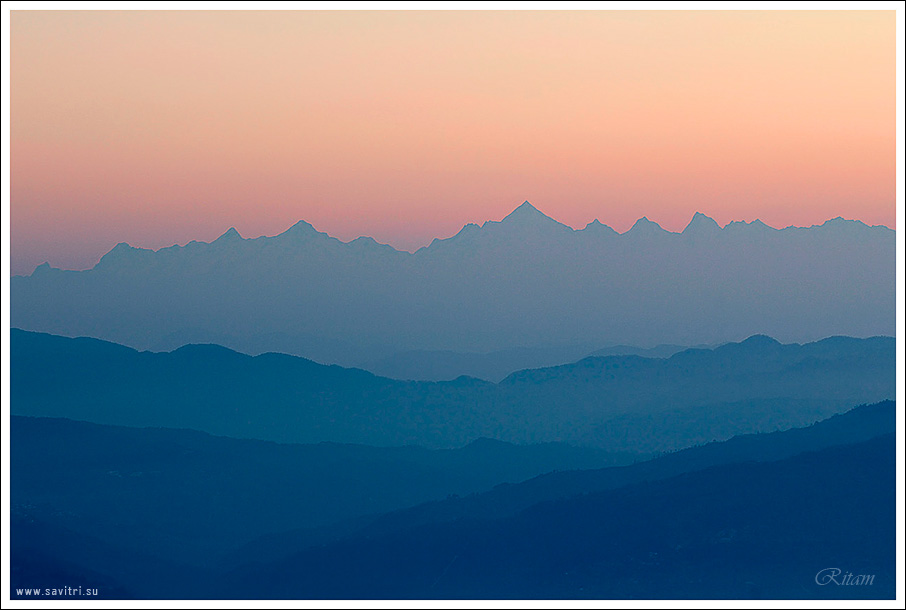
[183, 493]
[446, 365]
[742, 530]
[620, 403]
[169, 514]
[505, 500]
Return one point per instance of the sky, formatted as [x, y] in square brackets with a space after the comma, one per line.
[160, 127]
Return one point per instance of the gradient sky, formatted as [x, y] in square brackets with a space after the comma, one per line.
[157, 128]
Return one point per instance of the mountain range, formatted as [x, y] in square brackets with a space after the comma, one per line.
[526, 282]
[521, 410]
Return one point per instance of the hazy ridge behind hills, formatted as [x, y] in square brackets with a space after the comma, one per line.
[527, 281]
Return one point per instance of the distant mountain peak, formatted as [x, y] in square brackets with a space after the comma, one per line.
[42, 268]
[841, 222]
[762, 341]
[468, 229]
[488, 443]
[756, 224]
[230, 235]
[369, 244]
[526, 212]
[121, 253]
[849, 226]
[300, 229]
[701, 225]
[643, 226]
[598, 227]
[526, 217]
[761, 338]
[118, 250]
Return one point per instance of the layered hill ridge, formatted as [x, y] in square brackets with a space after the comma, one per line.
[88, 503]
[619, 403]
[732, 531]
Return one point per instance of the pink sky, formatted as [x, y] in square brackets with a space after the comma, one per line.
[157, 128]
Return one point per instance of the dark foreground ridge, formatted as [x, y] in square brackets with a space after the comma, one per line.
[152, 513]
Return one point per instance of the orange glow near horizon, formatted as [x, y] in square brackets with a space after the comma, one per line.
[159, 127]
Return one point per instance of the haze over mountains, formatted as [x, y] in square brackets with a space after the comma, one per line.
[527, 281]
[742, 530]
[117, 483]
[618, 403]
[586, 456]
[518, 409]
[179, 514]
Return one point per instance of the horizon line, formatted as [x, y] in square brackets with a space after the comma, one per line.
[233, 233]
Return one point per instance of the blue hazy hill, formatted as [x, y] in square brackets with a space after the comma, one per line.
[750, 517]
[735, 531]
[859, 424]
[620, 403]
[443, 365]
[184, 493]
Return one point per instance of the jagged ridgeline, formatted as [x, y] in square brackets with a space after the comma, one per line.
[525, 281]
